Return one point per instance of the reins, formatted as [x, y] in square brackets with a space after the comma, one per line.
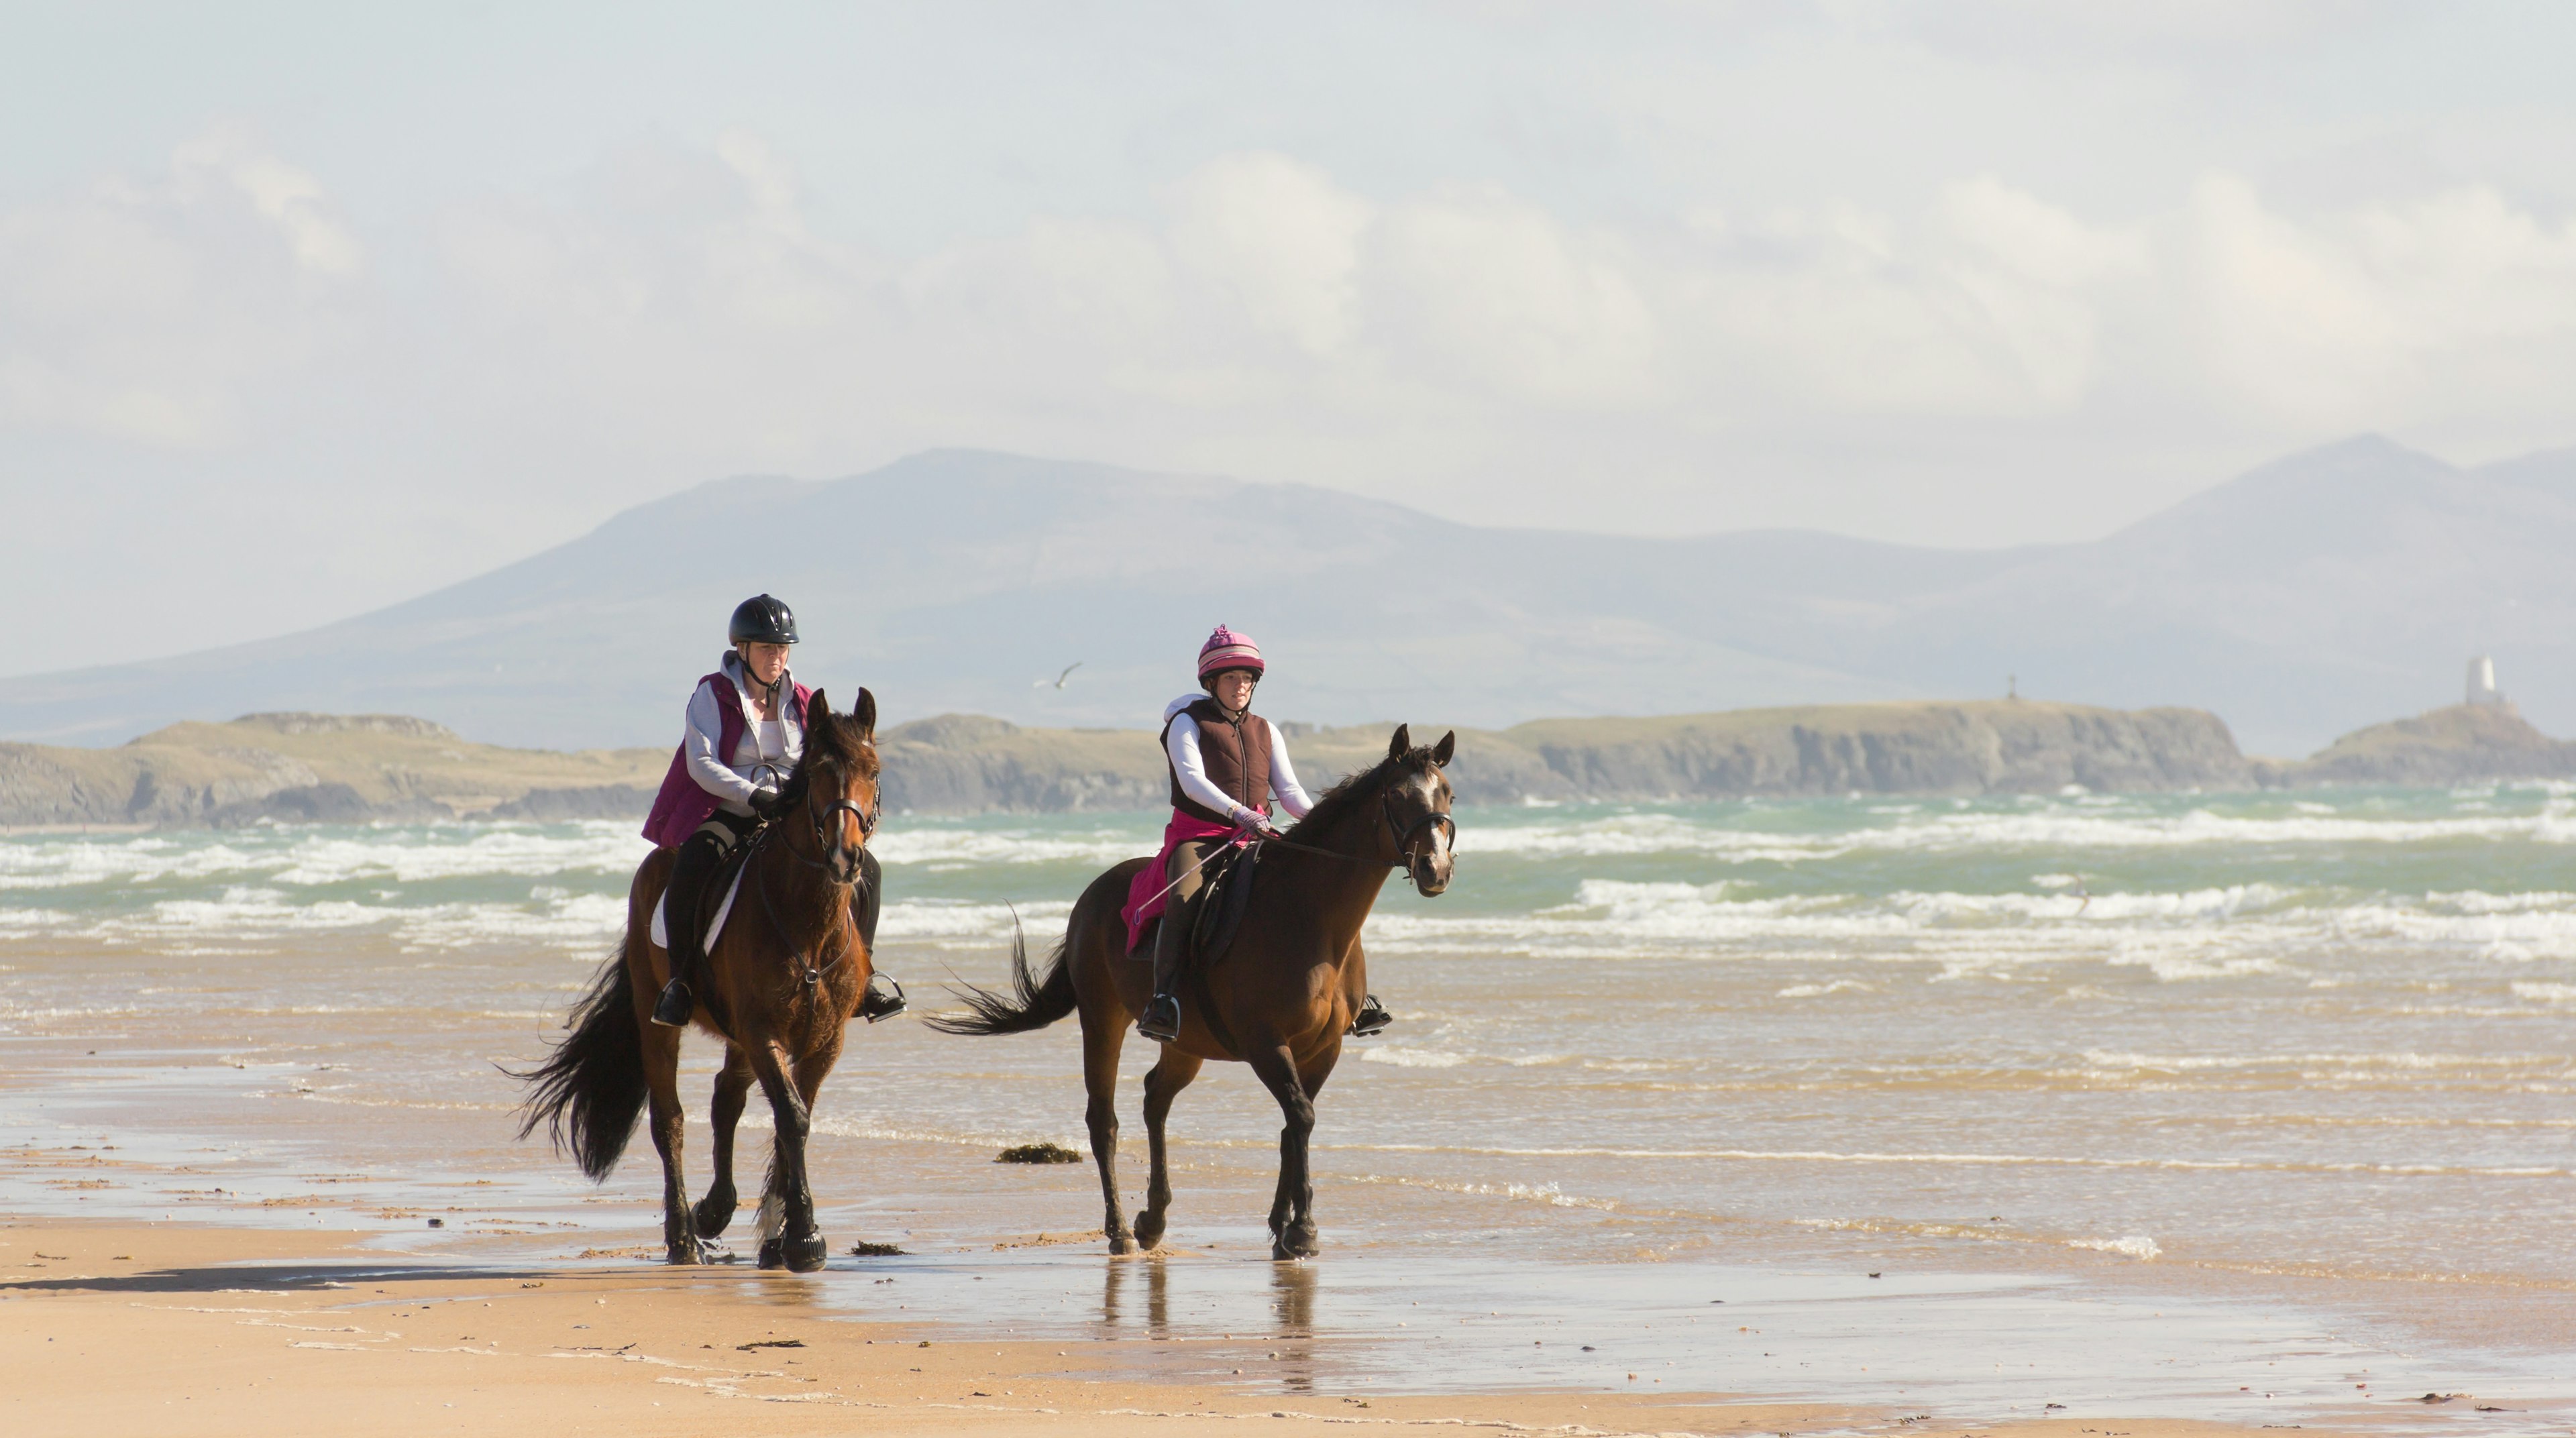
[1403, 835]
[827, 835]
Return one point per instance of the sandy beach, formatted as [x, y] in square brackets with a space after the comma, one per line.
[116, 1329]
[1827, 1117]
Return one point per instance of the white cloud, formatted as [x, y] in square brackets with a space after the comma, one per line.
[286, 197]
[2453, 306]
[156, 312]
[1496, 293]
[682, 304]
[1282, 238]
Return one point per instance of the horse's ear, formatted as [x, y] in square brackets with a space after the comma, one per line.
[817, 709]
[865, 711]
[1447, 746]
[1403, 742]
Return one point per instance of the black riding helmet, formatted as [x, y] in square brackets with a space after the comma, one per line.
[762, 620]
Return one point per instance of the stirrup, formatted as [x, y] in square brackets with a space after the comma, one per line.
[673, 1008]
[1162, 1019]
[874, 1006]
[1372, 1018]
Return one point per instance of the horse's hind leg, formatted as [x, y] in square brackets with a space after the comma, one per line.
[1102, 1037]
[1292, 1226]
[1163, 1083]
[670, 1122]
[733, 1086]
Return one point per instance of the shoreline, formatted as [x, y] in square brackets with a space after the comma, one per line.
[275, 1332]
[257, 1330]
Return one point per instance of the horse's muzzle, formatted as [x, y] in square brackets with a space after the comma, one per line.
[1431, 872]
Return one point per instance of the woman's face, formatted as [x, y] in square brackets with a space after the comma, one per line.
[766, 661]
[1234, 688]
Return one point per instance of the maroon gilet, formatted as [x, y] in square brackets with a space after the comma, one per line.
[683, 804]
[1236, 753]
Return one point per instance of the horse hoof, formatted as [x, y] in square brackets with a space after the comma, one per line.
[711, 1219]
[1149, 1232]
[1281, 1253]
[1298, 1242]
[772, 1254]
[685, 1255]
[804, 1255]
[1121, 1244]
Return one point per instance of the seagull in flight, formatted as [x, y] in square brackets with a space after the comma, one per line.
[1058, 681]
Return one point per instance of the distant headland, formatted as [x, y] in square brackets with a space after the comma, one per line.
[324, 768]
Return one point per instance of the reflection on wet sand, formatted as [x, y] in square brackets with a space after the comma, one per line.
[1118, 1274]
[1292, 1297]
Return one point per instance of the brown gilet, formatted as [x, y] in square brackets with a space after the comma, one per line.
[1237, 756]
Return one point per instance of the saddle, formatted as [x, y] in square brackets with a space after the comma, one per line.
[725, 879]
[1217, 912]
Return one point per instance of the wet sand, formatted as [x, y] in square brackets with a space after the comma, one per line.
[1847, 1116]
[109, 1329]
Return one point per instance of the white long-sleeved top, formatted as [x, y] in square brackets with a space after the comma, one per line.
[1181, 742]
[767, 751]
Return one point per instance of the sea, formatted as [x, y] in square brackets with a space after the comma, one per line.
[2251, 1107]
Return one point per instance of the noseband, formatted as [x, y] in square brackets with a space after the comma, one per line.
[1403, 833]
[840, 859]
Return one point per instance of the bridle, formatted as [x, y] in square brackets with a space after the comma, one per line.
[1403, 833]
[840, 863]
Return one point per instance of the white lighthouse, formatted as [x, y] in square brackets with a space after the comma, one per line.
[2483, 693]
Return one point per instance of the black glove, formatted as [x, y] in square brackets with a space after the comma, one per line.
[767, 802]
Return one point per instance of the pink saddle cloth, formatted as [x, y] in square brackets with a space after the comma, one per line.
[1148, 893]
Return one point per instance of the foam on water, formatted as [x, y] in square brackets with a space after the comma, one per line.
[2331, 1034]
[2057, 827]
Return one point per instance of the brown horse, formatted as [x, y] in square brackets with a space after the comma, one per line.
[779, 987]
[1279, 997]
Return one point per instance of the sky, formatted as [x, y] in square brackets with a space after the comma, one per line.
[309, 308]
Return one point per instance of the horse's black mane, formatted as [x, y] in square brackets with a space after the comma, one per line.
[829, 743]
[1346, 795]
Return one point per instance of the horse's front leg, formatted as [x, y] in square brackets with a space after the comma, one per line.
[670, 1122]
[796, 1246]
[1163, 1083]
[1292, 1228]
[733, 1087]
[1311, 1076]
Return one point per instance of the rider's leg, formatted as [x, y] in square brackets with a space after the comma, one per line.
[866, 896]
[683, 918]
[1162, 1020]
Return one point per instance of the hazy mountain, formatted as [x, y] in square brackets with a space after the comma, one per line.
[2316, 594]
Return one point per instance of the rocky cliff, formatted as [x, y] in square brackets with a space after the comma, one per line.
[302, 768]
[965, 763]
[319, 768]
[2462, 744]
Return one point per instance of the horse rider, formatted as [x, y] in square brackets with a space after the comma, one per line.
[1226, 765]
[745, 730]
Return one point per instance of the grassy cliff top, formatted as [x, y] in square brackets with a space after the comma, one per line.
[386, 757]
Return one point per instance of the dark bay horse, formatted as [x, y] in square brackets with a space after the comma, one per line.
[1279, 997]
[779, 987]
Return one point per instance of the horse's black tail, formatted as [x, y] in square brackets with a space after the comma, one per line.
[1032, 1003]
[590, 1090]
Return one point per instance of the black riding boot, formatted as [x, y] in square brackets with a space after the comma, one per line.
[697, 859]
[1162, 1020]
[1371, 1019]
[865, 895]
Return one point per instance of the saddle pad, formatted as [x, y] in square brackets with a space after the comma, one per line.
[1222, 903]
[662, 924]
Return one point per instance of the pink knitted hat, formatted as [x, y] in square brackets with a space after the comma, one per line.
[1226, 649]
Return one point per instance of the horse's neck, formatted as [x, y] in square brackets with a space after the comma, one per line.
[806, 900]
[1343, 890]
